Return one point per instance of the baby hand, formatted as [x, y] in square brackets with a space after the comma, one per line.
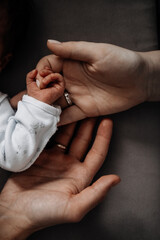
[51, 85]
[40, 78]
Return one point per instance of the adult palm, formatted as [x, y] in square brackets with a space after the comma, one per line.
[56, 189]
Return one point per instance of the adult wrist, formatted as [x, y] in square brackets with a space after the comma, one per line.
[13, 226]
[152, 61]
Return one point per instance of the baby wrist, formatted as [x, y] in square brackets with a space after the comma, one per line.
[51, 109]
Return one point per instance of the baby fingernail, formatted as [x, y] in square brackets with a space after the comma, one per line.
[38, 83]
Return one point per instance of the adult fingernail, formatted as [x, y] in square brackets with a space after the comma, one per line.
[53, 41]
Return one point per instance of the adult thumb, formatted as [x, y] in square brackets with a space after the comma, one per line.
[92, 196]
[81, 51]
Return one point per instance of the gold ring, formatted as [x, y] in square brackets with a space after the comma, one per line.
[61, 146]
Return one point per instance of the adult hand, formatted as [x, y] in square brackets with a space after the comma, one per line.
[56, 188]
[104, 79]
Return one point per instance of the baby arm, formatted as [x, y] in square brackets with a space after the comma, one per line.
[15, 99]
[24, 135]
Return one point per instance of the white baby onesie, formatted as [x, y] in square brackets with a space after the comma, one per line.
[25, 133]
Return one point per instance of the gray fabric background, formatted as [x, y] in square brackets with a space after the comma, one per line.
[132, 209]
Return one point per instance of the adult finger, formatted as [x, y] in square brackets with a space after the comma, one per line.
[64, 135]
[98, 152]
[82, 51]
[52, 62]
[82, 139]
[87, 199]
[71, 114]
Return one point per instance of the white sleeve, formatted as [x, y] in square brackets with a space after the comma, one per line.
[24, 135]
